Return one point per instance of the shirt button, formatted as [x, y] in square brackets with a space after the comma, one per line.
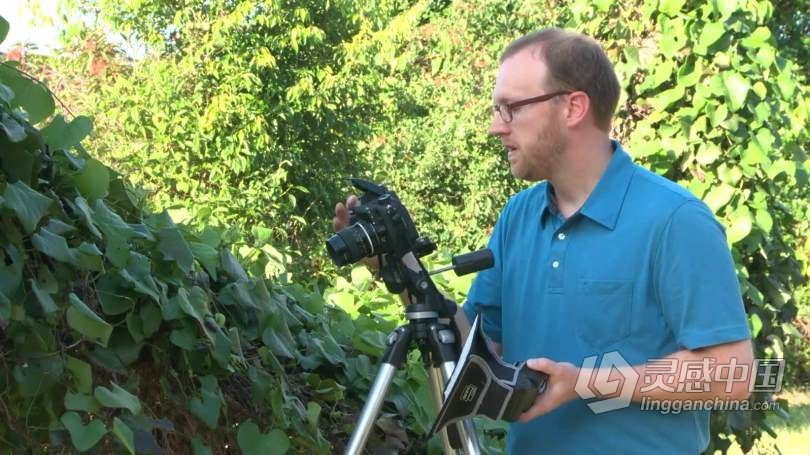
[561, 236]
[555, 264]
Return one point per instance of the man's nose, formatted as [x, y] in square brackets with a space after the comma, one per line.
[498, 126]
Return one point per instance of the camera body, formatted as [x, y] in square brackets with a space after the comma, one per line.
[380, 225]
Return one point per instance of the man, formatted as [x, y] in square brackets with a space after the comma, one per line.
[601, 256]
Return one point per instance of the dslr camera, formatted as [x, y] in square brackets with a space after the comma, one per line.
[379, 225]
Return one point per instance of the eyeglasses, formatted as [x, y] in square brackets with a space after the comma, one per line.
[506, 110]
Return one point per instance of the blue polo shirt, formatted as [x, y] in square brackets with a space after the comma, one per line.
[642, 268]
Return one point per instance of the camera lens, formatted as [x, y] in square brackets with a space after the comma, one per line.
[352, 243]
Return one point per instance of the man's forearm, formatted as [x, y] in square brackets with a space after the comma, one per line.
[688, 375]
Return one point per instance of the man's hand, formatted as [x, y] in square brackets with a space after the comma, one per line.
[341, 220]
[562, 377]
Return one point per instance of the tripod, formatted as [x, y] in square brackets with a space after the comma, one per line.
[436, 340]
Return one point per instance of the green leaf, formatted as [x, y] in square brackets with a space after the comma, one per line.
[231, 266]
[741, 224]
[207, 255]
[756, 324]
[764, 220]
[29, 205]
[53, 245]
[83, 437]
[116, 233]
[124, 435]
[10, 270]
[64, 136]
[254, 442]
[3, 29]
[93, 180]
[112, 296]
[83, 320]
[757, 38]
[717, 114]
[710, 34]
[725, 7]
[206, 407]
[671, 7]
[43, 297]
[174, 248]
[139, 273]
[313, 413]
[81, 375]
[736, 89]
[117, 398]
[183, 337]
[59, 227]
[6, 94]
[151, 319]
[81, 402]
[194, 304]
[32, 96]
[198, 448]
[13, 129]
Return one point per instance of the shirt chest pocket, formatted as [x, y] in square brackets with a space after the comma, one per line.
[604, 309]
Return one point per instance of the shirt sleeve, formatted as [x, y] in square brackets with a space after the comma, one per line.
[484, 296]
[696, 282]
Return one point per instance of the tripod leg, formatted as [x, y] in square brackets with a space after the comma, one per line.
[437, 386]
[392, 359]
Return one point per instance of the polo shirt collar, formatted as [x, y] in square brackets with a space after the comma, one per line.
[605, 201]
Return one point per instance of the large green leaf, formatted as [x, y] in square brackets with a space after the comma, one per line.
[81, 375]
[207, 255]
[740, 225]
[81, 402]
[194, 304]
[174, 247]
[11, 270]
[198, 448]
[13, 129]
[3, 28]
[93, 180]
[206, 407]
[709, 35]
[671, 7]
[30, 95]
[43, 297]
[254, 442]
[85, 321]
[116, 233]
[84, 437]
[117, 398]
[60, 135]
[29, 205]
[736, 89]
[124, 435]
[112, 295]
[139, 273]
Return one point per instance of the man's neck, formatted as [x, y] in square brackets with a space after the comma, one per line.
[579, 172]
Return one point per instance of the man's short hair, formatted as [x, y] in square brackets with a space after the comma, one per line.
[575, 62]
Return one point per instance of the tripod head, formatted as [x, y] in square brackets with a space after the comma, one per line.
[381, 226]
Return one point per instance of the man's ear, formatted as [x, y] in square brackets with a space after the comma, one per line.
[579, 107]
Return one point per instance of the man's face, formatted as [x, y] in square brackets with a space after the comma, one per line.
[535, 139]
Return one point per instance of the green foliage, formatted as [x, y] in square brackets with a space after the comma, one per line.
[123, 331]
